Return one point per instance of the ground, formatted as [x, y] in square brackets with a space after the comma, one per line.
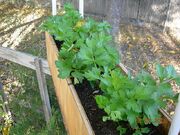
[19, 30]
[140, 48]
[143, 47]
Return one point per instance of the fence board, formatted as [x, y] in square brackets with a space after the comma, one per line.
[155, 11]
[129, 8]
[95, 7]
[162, 12]
[23, 59]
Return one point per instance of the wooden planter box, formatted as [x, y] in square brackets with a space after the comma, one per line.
[74, 116]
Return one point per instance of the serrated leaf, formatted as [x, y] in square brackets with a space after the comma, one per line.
[165, 89]
[160, 72]
[93, 74]
[86, 55]
[132, 104]
[131, 117]
[152, 113]
[171, 72]
[64, 70]
[145, 78]
[115, 115]
[101, 101]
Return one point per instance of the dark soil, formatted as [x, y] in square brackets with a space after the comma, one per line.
[86, 95]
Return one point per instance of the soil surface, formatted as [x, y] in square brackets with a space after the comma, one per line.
[87, 97]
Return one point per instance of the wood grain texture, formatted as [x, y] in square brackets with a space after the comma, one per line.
[23, 59]
[153, 11]
[74, 116]
[165, 13]
[43, 90]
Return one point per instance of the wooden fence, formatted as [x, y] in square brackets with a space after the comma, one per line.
[35, 63]
[163, 12]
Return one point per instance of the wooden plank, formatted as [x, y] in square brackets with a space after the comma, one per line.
[74, 116]
[130, 8]
[93, 7]
[153, 11]
[43, 89]
[23, 59]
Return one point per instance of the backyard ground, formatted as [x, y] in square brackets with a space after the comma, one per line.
[19, 30]
[140, 48]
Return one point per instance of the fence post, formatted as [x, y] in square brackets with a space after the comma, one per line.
[43, 89]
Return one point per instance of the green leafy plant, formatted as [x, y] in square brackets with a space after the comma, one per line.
[136, 100]
[85, 47]
[86, 52]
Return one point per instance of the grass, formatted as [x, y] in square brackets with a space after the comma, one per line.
[21, 86]
[26, 106]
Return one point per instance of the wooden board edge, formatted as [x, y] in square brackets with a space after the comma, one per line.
[75, 95]
[81, 109]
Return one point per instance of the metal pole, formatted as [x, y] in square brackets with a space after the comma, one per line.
[175, 125]
[54, 8]
[81, 7]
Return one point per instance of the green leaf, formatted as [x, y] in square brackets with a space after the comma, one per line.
[145, 130]
[145, 78]
[64, 70]
[78, 76]
[121, 130]
[152, 113]
[131, 117]
[76, 81]
[171, 72]
[86, 55]
[165, 89]
[160, 71]
[93, 74]
[101, 101]
[137, 132]
[132, 104]
[105, 118]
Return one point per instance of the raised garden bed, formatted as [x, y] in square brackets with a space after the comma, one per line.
[74, 116]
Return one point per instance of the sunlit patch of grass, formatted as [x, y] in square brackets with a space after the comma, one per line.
[25, 103]
[20, 82]
[12, 28]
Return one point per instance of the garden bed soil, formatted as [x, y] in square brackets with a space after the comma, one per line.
[87, 97]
